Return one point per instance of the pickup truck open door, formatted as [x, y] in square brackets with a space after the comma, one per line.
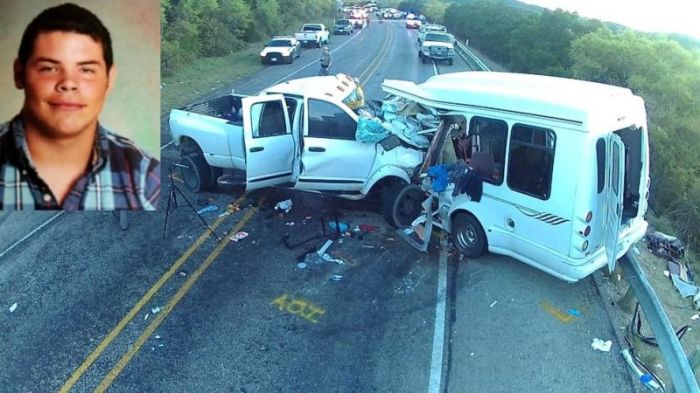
[613, 219]
[269, 143]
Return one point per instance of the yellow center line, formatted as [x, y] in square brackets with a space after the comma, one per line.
[377, 60]
[126, 358]
[92, 357]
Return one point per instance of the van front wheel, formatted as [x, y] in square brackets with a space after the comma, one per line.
[468, 235]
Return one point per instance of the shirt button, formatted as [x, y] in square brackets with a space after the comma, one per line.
[47, 198]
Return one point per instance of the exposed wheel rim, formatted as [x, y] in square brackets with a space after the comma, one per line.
[189, 177]
[467, 237]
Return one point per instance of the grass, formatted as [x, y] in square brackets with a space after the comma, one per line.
[206, 75]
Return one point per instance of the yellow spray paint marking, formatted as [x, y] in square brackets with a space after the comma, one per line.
[556, 313]
[300, 307]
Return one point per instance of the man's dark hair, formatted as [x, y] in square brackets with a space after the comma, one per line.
[67, 18]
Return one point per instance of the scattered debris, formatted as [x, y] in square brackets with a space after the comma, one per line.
[601, 345]
[13, 307]
[301, 265]
[685, 288]
[289, 224]
[329, 258]
[325, 247]
[239, 236]
[183, 274]
[666, 273]
[694, 317]
[665, 246]
[208, 209]
[285, 205]
[368, 246]
[155, 310]
[342, 226]
[574, 312]
[180, 237]
[157, 337]
[493, 304]
[337, 277]
[368, 228]
[145, 318]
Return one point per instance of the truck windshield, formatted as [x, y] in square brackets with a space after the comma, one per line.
[312, 28]
[438, 38]
[279, 43]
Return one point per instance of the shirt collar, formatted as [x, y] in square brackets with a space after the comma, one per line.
[98, 158]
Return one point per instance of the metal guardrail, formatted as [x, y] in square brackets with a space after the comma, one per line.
[678, 366]
[682, 374]
[470, 58]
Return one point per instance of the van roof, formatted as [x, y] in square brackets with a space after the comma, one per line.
[557, 98]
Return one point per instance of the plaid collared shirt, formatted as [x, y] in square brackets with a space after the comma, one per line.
[120, 176]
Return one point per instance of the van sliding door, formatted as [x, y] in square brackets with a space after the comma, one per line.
[613, 217]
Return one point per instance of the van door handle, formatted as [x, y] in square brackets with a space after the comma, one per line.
[317, 149]
[256, 149]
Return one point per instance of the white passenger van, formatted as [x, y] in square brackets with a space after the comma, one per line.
[565, 166]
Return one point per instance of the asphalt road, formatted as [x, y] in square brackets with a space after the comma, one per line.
[126, 310]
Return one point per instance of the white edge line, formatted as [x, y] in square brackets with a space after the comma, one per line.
[35, 230]
[288, 75]
[434, 67]
[439, 332]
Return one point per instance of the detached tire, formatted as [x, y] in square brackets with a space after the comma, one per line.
[401, 204]
[468, 235]
[198, 175]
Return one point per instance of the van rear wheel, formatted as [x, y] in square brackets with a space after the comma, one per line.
[468, 235]
[401, 204]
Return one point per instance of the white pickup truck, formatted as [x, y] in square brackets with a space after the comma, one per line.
[299, 134]
[313, 34]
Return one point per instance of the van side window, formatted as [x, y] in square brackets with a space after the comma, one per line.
[487, 141]
[531, 160]
[600, 158]
[271, 119]
[327, 120]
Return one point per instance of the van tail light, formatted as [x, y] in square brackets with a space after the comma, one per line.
[587, 231]
[589, 216]
[584, 246]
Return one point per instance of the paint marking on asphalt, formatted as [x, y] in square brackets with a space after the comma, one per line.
[434, 66]
[126, 358]
[439, 333]
[301, 307]
[95, 354]
[30, 234]
[556, 313]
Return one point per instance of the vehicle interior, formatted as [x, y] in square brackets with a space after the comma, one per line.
[632, 138]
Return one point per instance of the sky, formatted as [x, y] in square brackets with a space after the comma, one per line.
[677, 16]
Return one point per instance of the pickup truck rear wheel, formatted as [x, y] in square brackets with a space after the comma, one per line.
[401, 204]
[198, 175]
[468, 235]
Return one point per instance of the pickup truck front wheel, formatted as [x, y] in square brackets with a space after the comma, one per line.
[198, 176]
[401, 204]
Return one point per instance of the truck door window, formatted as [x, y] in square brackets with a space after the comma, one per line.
[327, 120]
[271, 119]
[531, 160]
[488, 136]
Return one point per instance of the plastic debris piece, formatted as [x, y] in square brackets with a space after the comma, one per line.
[208, 209]
[155, 310]
[13, 307]
[307, 217]
[157, 337]
[329, 258]
[368, 228]
[356, 228]
[667, 273]
[145, 318]
[183, 274]
[289, 224]
[694, 317]
[336, 277]
[636, 250]
[324, 248]
[601, 345]
[239, 236]
[285, 205]
[343, 226]
[493, 304]
[160, 345]
[574, 312]
[301, 265]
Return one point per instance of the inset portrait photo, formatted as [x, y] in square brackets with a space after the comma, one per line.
[80, 123]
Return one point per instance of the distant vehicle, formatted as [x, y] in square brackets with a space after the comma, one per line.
[564, 163]
[412, 22]
[437, 46]
[425, 29]
[313, 34]
[358, 19]
[280, 50]
[343, 26]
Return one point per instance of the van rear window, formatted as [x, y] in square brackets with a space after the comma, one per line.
[600, 159]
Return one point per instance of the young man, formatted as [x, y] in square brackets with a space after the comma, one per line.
[54, 154]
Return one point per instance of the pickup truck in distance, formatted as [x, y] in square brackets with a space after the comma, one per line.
[313, 34]
[299, 134]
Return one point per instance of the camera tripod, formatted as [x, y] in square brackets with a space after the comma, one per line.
[172, 201]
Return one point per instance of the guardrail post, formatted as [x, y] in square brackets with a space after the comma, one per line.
[678, 365]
